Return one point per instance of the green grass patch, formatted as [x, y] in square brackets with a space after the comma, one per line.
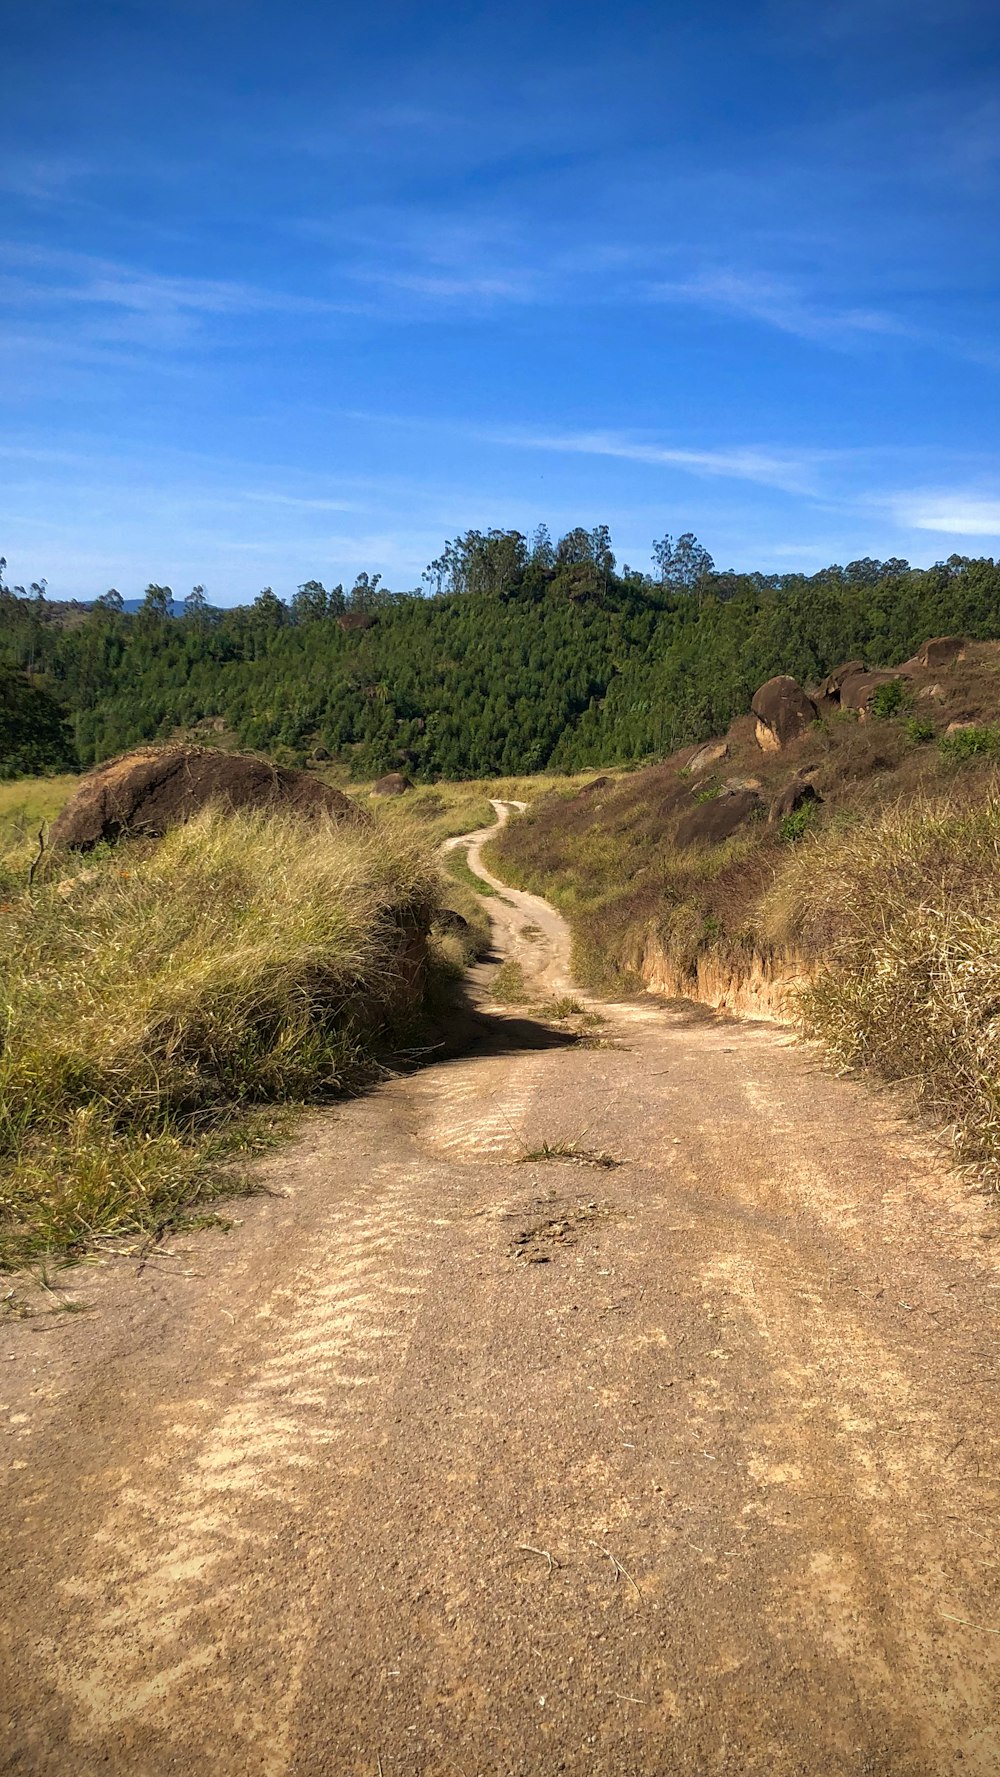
[570, 1150]
[28, 806]
[458, 866]
[801, 821]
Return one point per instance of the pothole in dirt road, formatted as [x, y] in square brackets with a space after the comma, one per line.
[539, 1242]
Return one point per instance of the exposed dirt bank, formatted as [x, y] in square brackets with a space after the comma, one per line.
[755, 987]
[449, 1460]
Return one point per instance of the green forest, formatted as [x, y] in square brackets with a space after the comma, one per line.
[515, 656]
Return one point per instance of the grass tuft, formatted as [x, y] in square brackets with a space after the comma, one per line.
[508, 985]
[458, 866]
[569, 1150]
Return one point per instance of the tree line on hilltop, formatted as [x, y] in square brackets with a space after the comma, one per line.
[517, 655]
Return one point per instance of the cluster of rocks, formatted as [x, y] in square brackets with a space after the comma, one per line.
[783, 712]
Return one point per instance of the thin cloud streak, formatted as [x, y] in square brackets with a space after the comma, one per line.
[259, 497]
[741, 463]
[779, 305]
[84, 279]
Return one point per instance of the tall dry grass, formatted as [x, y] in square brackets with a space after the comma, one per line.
[902, 913]
[150, 995]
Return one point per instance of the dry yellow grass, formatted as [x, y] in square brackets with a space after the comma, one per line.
[150, 994]
[903, 912]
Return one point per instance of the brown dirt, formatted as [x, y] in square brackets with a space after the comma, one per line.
[147, 792]
[357, 1488]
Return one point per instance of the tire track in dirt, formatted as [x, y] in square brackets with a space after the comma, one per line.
[161, 1584]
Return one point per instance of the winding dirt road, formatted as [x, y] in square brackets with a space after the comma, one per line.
[450, 1460]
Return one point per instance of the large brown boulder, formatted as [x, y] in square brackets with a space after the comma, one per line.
[857, 691]
[392, 784]
[941, 651]
[783, 713]
[147, 792]
[708, 823]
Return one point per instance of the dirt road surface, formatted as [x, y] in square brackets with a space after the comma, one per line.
[452, 1460]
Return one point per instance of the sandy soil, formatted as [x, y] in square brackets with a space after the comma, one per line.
[449, 1460]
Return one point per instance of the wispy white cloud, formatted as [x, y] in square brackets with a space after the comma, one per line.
[792, 473]
[953, 513]
[453, 286]
[778, 304]
[45, 178]
[85, 278]
[262, 497]
[128, 306]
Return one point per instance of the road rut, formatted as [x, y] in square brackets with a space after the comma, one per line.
[454, 1459]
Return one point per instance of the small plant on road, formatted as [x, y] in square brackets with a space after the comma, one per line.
[570, 1150]
[508, 984]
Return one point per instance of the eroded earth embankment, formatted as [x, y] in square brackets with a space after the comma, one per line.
[674, 1453]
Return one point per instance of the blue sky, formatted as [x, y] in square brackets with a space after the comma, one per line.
[300, 289]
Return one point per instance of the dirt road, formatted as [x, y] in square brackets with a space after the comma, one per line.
[451, 1460]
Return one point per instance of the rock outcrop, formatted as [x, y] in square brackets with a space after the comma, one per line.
[392, 784]
[829, 690]
[718, 818]
[147, 792]
[857, 691]
[783, 713]
[940, 651]
[711, 754]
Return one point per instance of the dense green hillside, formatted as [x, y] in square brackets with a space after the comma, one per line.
[516, 660]
[34, 735]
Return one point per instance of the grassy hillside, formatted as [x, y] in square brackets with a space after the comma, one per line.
[154, 996]
[27, 805]
[884, 895]
[441, 811]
